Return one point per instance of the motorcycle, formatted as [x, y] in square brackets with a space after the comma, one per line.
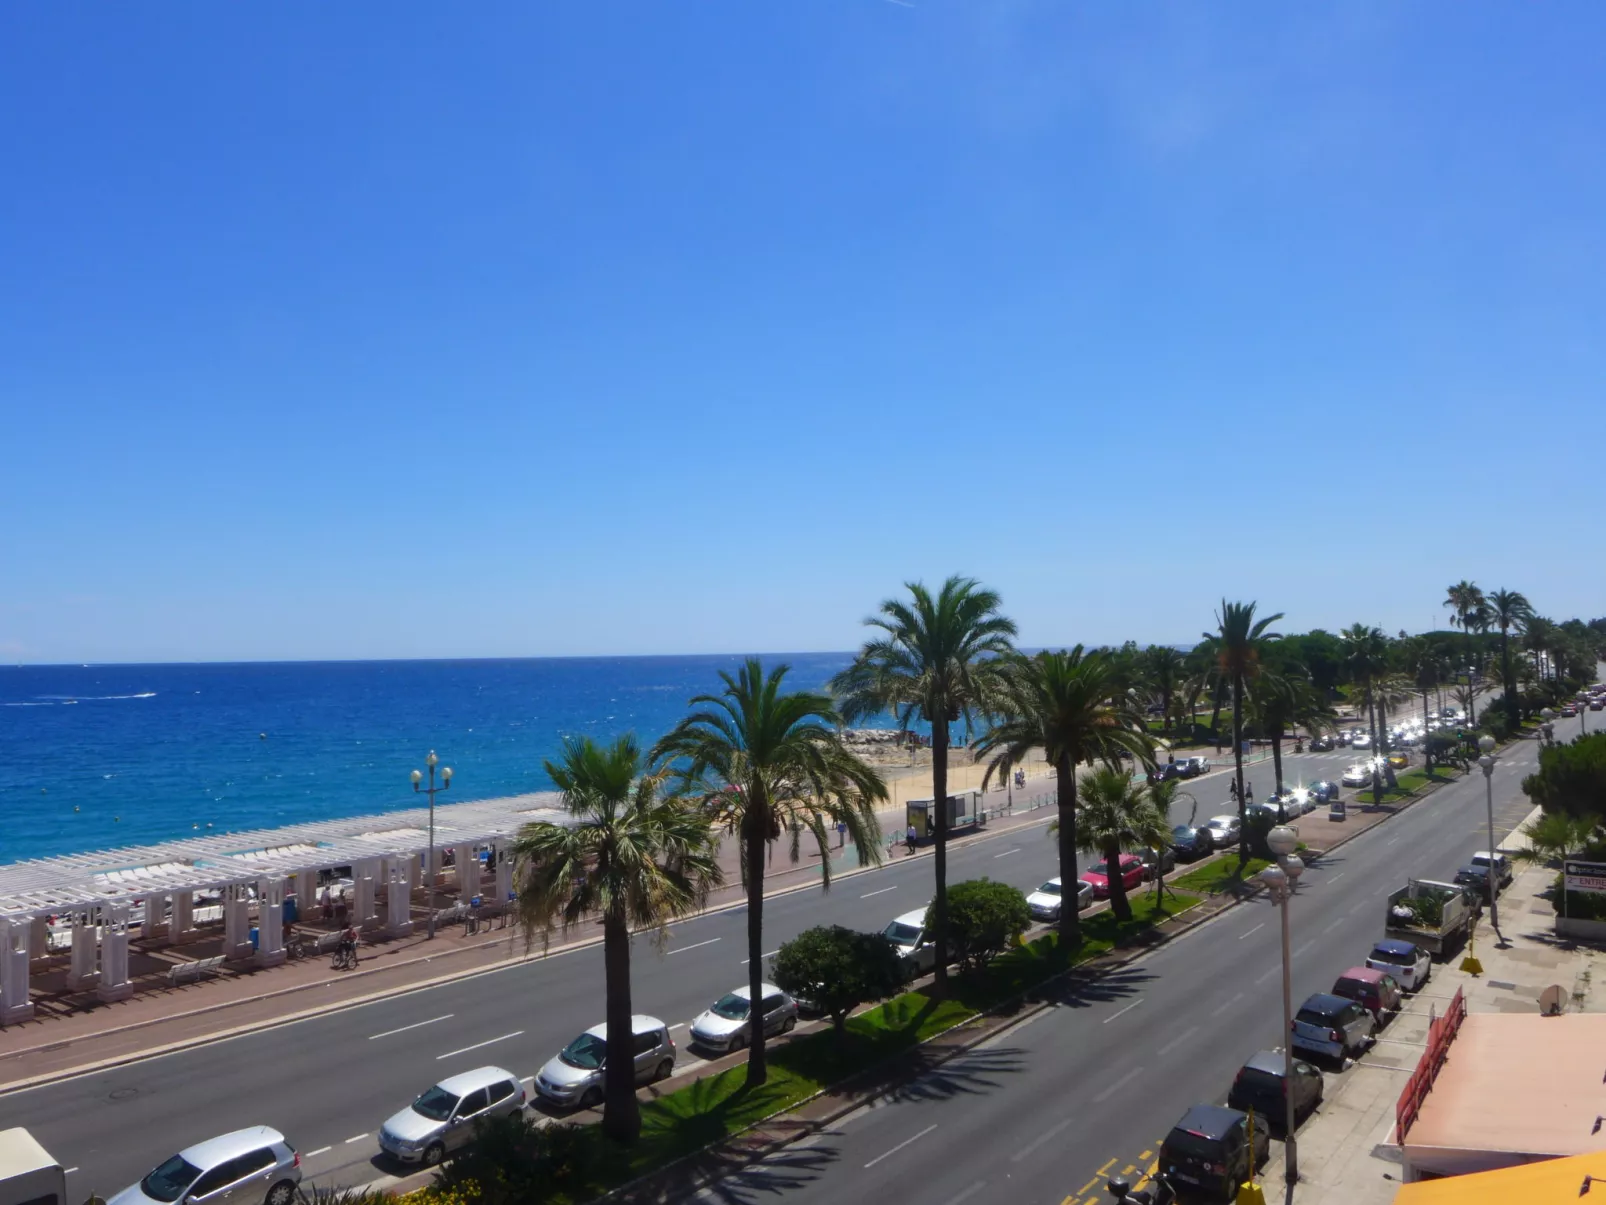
[1163, 1193]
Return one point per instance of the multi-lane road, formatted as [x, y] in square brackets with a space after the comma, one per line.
[1038, 1109]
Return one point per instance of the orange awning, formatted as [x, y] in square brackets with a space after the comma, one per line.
[1548, 1182]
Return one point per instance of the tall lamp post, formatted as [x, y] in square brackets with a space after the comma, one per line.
[1486, 762]
[446, 781]
[1279, 881]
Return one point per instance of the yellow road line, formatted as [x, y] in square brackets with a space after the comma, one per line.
[1105, 1170]
[1088, 1187]
[1145, 1154]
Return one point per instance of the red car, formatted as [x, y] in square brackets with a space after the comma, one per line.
[1131, 876]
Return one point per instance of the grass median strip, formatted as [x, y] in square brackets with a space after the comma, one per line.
[1219, 876]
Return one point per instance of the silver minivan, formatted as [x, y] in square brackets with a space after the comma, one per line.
[243, 1168]
[574, 1076]
[442, 1119]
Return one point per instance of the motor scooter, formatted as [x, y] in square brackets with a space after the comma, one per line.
[1162, 1192]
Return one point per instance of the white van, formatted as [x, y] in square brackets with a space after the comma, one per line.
[28, 1175]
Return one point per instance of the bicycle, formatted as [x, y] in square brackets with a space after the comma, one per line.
[344, 959]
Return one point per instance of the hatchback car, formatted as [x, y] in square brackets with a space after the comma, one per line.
[1323, 790]
[1406, 961]
[1500, 862]
[1223, 830]
[1358, 775]
[1377, 992]
[1360, 740]
[574, 1076]
[1194, 766]
[1192, 843]
[240, 1168]
[908, 936]
[1260, 1086]
[1046, 901]
[442, 1119]
[1209, 1149]
[1320, 744]
[1130, 868]
[1399, 759]
[728, 1021]
[1332, 1026]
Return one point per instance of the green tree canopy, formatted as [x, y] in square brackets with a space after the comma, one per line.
[837, 969]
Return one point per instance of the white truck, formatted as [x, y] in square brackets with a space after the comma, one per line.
[28, 1175]
[1436, 916]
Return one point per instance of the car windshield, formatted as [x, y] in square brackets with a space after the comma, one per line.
[1182, 833]
[436, 1104]
[585, 1052]
[1254, 1077]
[1311, 1017]
[1393, 959]
[168, 1182]
[901, 934]
[1186, 1142]
[1050, 888]
[730, 1006]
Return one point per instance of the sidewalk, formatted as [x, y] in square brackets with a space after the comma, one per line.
[82, 1033]
[1346, 1151]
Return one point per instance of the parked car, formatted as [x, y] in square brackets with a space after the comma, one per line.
[1358, 775]
[1323, 790]
[1209, 1149]
[1378, 992]
[1499, 861]
[1294, 801]
[1165, 859]
[241, 1168]
[1223, 831]
[1332, 1027]
[1475, 882]
[1191, 843]
[574, 1076]
[1165, 772]
[1410, 965]
[1260, 1086]
[1131, 871]
[725, 1024]
[1320, 744]
[1045, 903]
[442, 1119]
[908, 935]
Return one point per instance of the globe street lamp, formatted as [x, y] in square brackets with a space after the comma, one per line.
[1547, 726]
[1280, 881]
[1486, 744]
[446, 781]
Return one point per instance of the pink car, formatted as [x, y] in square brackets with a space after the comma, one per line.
[1131, 876]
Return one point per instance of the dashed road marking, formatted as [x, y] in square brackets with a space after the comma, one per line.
[415, 1025]
[1124, 1011]
[900, 1146]
[697, 945]
[478, 1045]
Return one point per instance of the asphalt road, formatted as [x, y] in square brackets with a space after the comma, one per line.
[328, 1082]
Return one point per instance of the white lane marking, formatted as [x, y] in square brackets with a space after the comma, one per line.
[900, 1146]
[1124, 1011]
[416, 1025]
[1039, 1141]
[69, 1171]
[1335, 878]
[966, 1194]
[1268, 975]
[1175, 1042]
[477, 1045]
[771, 954]
[358, 1138]
[322, 1150]
[1304, 949]
[1253, 931]
[1117, 1085]
[696, 945]
[883, 891]
[1006, 853]
[1334, 925]
[1227, 1005]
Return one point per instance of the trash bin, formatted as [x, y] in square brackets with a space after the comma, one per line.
[292, 911]
[1335, 810]
[254, 945]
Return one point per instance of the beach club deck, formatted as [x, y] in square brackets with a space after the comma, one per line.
[96, 922]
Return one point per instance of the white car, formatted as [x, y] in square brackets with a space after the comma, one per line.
[1358, 775]
[244, 1167]
[1223, 830]
[1407, 962]
[727, 1023]
[574, 1076]
[1360, 740]
[908, 936]
[442, 1119]
[1046, 901]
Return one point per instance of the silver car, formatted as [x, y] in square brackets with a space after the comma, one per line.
[1045, 903]
[241, 1168]
[726, 1025]
[574, 1076]
[442, 1119]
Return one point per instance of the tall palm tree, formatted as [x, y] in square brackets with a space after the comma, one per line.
[1425, 667]
[936, 659]
[768, 761]
[634, 855]
[1164, 669]
[1366, 658]
[1065, 704]
[1509, 609]
[1464, 599]
[1284, 698]
[1117, 815]
[1540, 637]
[1240, 640]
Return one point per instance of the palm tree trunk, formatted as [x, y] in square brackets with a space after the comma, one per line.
[1511, 684]
[621, 1112]
[1119, 904]
[1427, 737]
[757, 823]
[1070, 926]
[1165, 709]
[1277, 756]
[939, 804]
[1215, 716]
[1371, 718]
[1238, 765]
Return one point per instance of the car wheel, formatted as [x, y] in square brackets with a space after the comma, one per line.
[788, 1025]
[434, 1153]
[591, 1098]
[738, 1041]
[281, 1193]
[665, 1069]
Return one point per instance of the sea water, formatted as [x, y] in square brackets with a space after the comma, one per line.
[96, 756]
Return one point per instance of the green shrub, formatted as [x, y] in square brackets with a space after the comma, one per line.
[836, 970]
[984, 919]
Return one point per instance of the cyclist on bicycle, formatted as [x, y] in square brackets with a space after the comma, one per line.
[348, 944]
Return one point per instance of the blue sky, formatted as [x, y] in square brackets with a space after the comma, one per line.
[414, 330]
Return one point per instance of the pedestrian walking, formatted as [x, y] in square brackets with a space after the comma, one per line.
[841, 833]
[328, 905]
[910, 836]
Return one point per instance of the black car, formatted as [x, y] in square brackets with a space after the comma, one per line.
[1165, 772]
[1322, 791]
[1190, 844]
[1209, 1150]
[1259, 1086]
[1474, 880]
[1320, 744]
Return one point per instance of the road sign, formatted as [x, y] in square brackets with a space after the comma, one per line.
[1586, 876]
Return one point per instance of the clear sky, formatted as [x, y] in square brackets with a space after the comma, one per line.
[404, 329]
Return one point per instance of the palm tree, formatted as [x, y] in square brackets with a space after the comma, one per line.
[1164, 669]
[1117, 814]
[1366, 658]
[1240, 638]
[1540, 636]
[939, 660]
[633, 855]
[1464, 599]
[1425, 668]
[767, 761]
[1285, 698]
[1509, 609]
[1065, 704]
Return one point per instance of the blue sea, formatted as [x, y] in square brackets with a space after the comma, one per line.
[104, 755]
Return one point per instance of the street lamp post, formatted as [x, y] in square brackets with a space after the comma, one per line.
[446, 781]
[1279, 881]
[1486, 762]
